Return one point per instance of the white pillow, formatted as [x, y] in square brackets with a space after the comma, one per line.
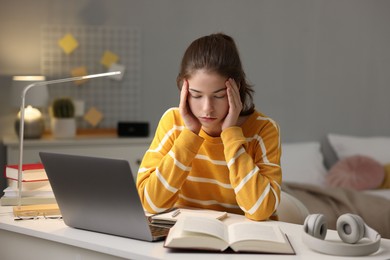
[303, 163]
[378, 148]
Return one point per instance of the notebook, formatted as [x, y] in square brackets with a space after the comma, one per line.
[98, 194]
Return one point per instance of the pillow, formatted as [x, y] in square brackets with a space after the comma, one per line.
[378, 148]
[330, 156]
[356, 172]
[303, 163]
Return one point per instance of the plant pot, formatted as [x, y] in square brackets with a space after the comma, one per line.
[63, 128]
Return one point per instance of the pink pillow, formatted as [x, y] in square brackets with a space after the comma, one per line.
[356, 172]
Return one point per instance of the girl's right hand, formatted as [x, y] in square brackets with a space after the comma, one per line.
[190, 120]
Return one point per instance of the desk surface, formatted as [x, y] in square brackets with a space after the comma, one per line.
[55, 230]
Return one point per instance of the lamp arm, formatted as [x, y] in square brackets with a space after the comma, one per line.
[21, 125]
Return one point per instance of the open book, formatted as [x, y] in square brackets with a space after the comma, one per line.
[202, 233]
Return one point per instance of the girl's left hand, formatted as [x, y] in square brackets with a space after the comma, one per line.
[235, 104]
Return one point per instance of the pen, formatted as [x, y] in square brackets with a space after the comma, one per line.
[175, 213]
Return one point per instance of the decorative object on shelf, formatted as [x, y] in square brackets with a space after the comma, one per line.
[34, 121]
[63, 121]
[133, 129]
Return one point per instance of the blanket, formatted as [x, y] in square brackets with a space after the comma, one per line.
[333, 202]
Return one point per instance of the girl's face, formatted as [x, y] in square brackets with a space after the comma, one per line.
[208, 100]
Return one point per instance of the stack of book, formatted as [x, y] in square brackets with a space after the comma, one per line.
[36, 188]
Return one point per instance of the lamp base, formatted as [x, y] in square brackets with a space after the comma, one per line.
[36, 210]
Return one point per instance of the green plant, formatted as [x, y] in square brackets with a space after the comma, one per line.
[63, 108]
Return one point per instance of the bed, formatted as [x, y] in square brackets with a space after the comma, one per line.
[337, 175]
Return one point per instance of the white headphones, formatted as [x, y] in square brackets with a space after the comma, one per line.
[351, 228]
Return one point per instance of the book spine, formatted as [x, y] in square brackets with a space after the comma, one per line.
[7, 201]
[26, 167]
[37, 180]
[30, 185]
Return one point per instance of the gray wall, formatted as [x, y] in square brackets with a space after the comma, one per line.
[318, 66]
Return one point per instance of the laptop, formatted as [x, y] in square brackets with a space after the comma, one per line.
[99, 194]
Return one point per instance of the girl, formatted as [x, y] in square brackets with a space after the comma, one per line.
[215, 150]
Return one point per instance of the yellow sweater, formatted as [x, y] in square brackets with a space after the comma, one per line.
[238, 172]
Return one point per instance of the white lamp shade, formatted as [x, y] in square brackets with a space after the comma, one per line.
[37, 97]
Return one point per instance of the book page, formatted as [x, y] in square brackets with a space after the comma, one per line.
[205, 225]
[183, 212]
[255, 231]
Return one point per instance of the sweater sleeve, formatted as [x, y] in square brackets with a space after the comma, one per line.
[255, 175]
[166, 166]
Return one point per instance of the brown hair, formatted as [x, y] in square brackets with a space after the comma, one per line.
[217, 53]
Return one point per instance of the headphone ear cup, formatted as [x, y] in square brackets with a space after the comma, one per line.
[350, 228]
[315, 225]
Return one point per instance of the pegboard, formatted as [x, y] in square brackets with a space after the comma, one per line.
[117, 100]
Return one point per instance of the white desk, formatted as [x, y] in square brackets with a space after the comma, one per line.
[52, 239]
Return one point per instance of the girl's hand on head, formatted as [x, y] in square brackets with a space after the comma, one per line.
[190, 121]
[235, 104]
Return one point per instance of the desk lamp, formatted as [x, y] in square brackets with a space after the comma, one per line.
[22, 108]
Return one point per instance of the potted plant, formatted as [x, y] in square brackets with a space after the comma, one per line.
[63, 123]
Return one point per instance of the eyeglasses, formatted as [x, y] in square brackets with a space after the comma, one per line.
[27, 212]
[33, 215]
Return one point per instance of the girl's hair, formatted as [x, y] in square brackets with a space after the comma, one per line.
[217, 53]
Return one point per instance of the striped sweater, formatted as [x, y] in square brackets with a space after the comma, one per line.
[238, 172]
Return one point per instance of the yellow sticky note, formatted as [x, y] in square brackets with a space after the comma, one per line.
[93, 116]
[68, 43]
[78, 72]
[109, 58]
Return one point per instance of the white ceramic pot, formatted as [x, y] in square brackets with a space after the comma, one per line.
[63, 128]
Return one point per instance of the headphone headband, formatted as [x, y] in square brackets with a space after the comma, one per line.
[315, 223]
